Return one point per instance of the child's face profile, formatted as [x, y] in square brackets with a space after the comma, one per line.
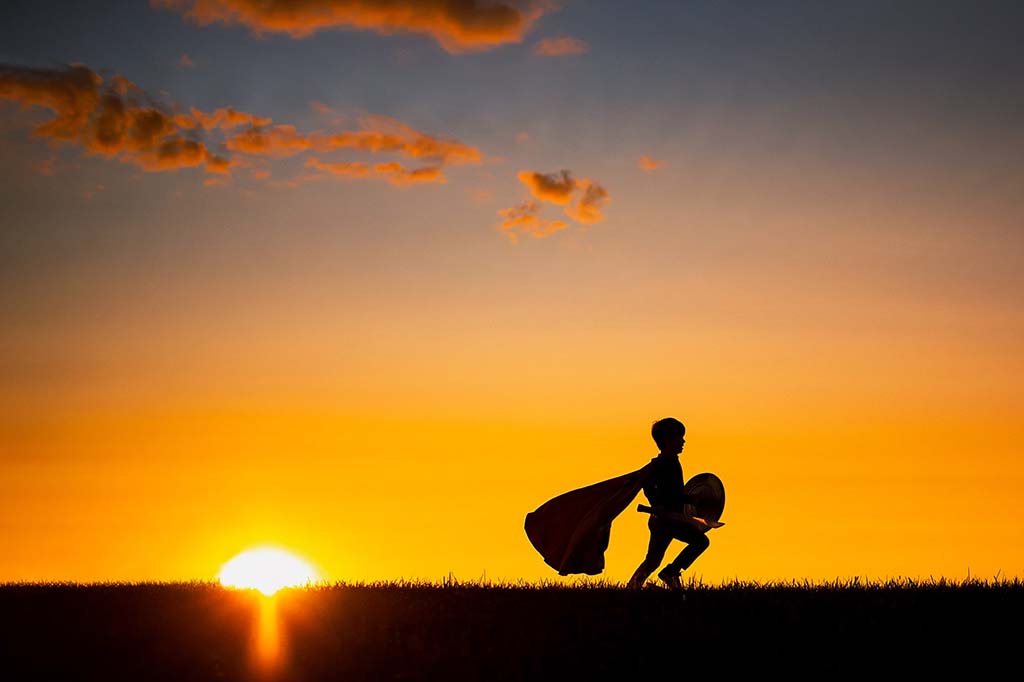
[675, 444]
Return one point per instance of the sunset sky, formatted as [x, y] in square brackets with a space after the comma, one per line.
[372, 279]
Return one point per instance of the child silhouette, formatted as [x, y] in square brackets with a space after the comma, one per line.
[663, 488]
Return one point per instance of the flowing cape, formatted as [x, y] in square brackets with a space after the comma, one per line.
[572, 531]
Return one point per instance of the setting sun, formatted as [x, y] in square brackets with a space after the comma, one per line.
[266, 569]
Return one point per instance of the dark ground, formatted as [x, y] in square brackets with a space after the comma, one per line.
[203, 632]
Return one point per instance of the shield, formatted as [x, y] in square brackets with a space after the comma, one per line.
[710, 494]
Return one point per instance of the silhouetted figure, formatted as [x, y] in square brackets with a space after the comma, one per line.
[664, 490]
[572, 530]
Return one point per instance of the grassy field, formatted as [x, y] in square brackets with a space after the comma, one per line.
[453, 631]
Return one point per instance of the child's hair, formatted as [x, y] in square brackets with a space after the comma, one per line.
[666, 428]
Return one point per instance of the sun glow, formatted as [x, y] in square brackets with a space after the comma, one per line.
[266, 569]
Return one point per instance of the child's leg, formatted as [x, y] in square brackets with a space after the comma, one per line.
[660, 540]
[696, 543]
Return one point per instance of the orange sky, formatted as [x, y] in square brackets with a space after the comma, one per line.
[816, 268]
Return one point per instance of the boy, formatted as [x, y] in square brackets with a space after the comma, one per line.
[664, 490]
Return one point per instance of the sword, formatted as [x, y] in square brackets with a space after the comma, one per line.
[702, 524]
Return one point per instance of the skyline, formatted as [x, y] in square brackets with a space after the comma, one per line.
[422, 272]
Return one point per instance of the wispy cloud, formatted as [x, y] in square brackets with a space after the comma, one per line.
[561, 46]
[524, 219]
[587, 209]
[457, 25]
[393, 172]
[649, 163]
[114, 118]
[45, 167]
[278, 141]
[224, 119]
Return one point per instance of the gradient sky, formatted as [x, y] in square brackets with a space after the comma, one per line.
[796, 226]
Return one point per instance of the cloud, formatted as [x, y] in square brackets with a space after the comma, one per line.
[649, 163]
[555, 187]
[457, 25]
[321, 108]
[224, 119]
[186, 61]
[588, 209]
[45, 167]
[393, 172]
[400, 176]
[378, 134]
[523, 219]
[522, 138]
[560, 47]
[115, 119]
[279, 141]
[558, 188]
[385, 134]
[71, 93]
[105, 118]
[219, 164]
[355, 169]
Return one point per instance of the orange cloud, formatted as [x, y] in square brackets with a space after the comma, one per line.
[355, 169]
[648, 163]
[560, 47]
[71, 93]
[186, 61]
[524, 219]
[379, 134]
[219, 164]
[554, 187]
[114, 118]
[458, 25]
[588, 209]
[557, 188]
[104, 118]
[393, 172]
[225, 119]
[399, 176]
[279, 142]
[385, 134]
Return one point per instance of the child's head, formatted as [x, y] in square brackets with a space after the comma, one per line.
[668, 434]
